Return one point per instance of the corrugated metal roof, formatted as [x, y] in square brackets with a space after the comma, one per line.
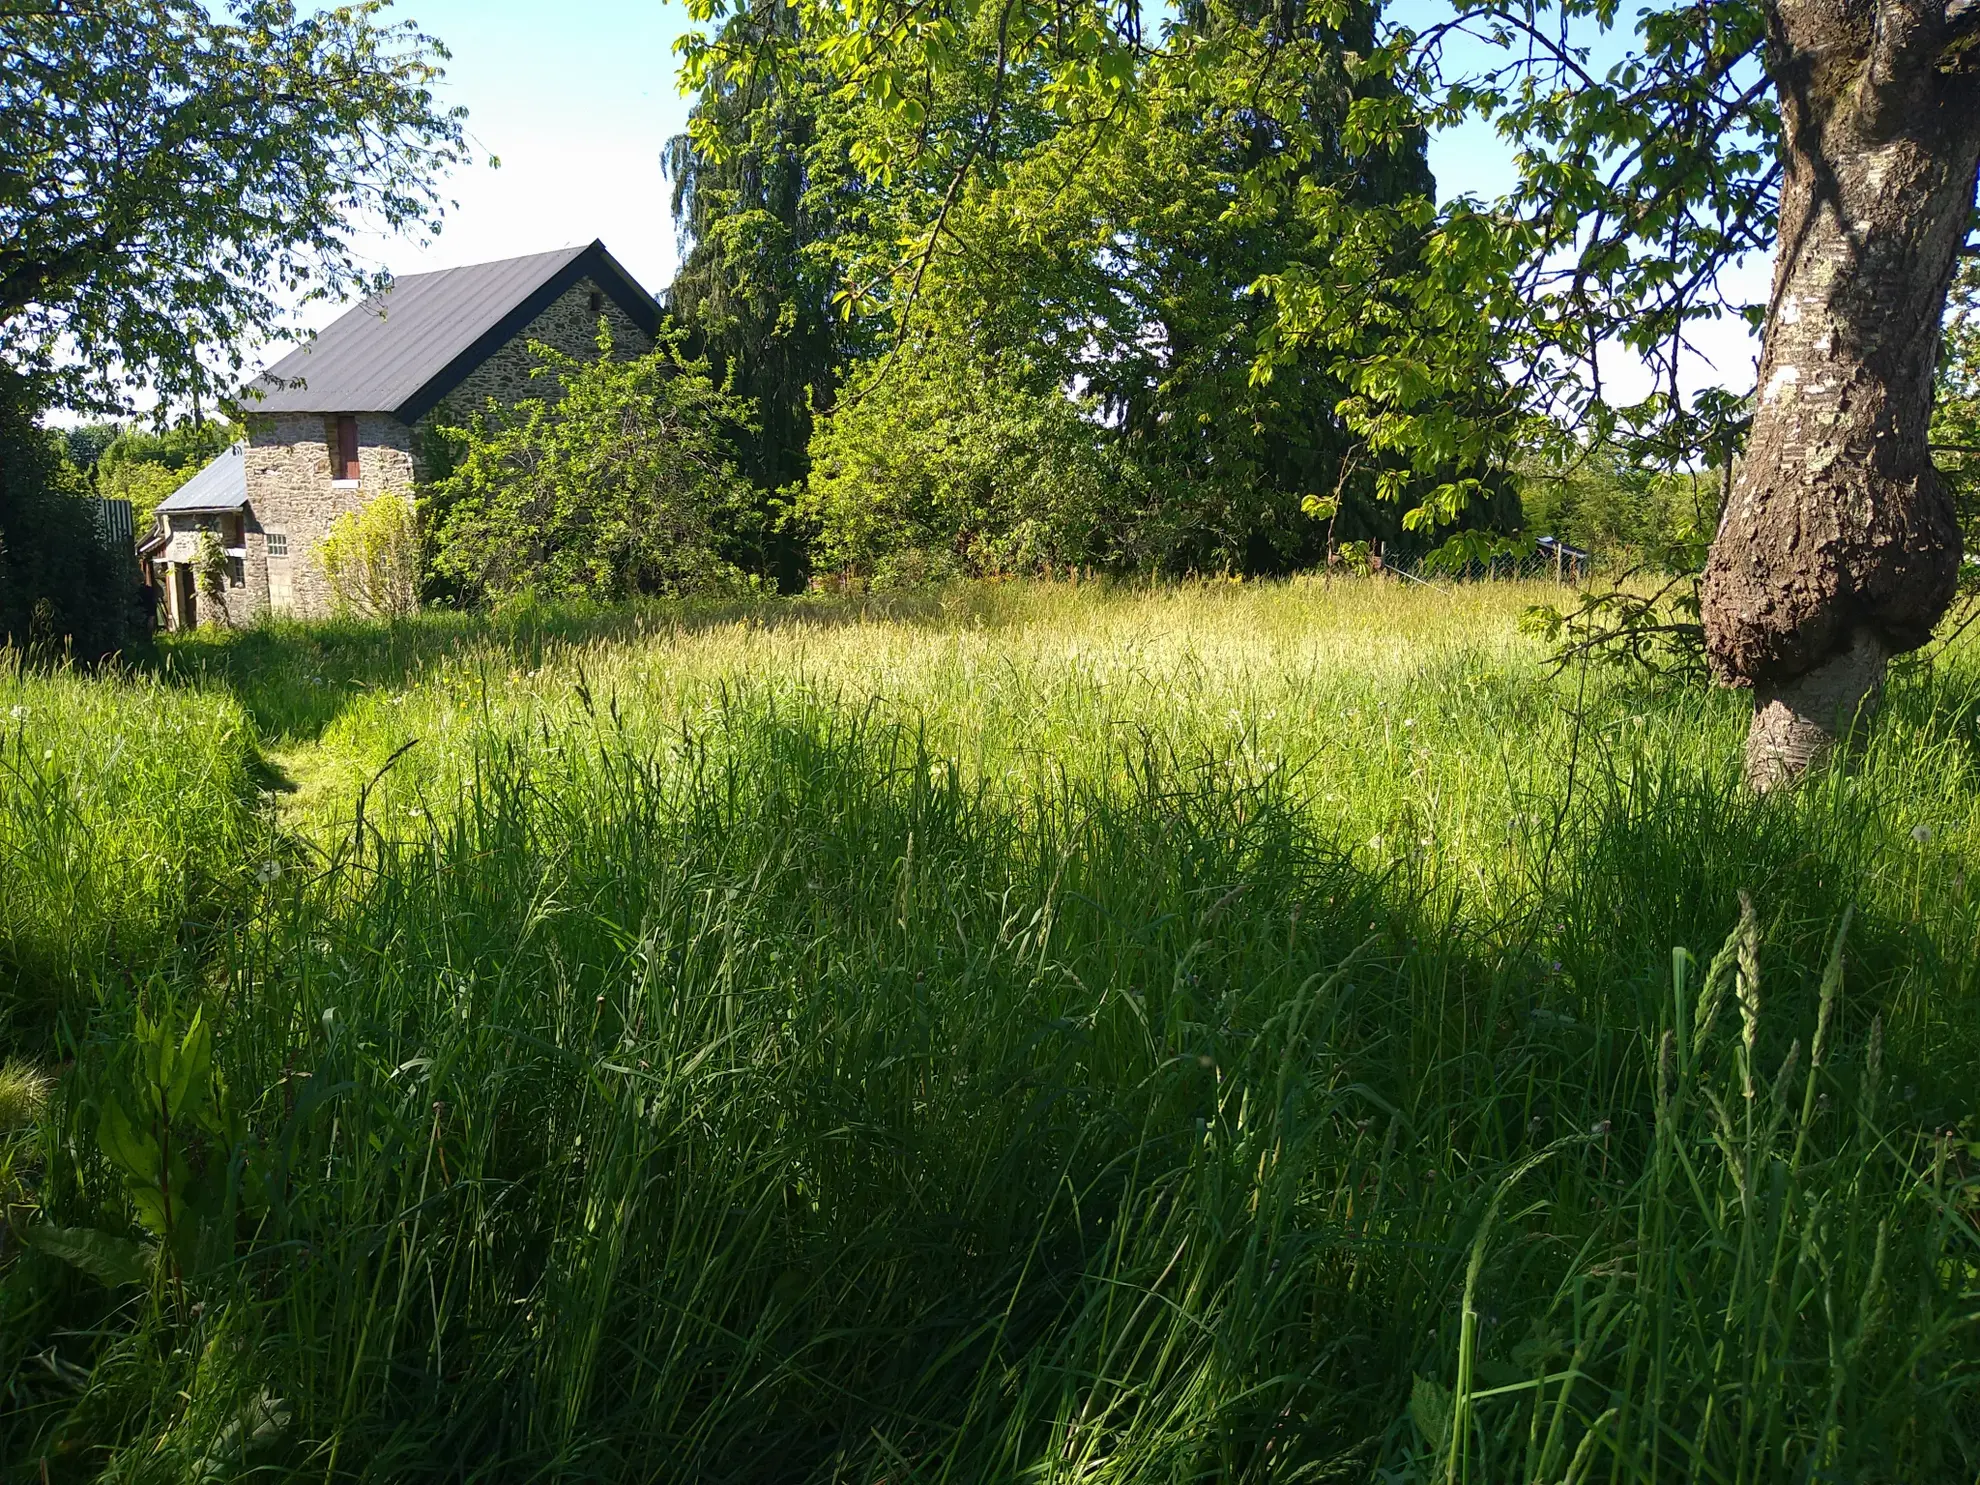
[401, 350]
[222, 485]
[376, 356]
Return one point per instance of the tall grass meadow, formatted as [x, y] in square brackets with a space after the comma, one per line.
[1231, 1032]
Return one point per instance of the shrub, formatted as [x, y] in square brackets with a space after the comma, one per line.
[941, 462]
[609, 491]
[371, 559]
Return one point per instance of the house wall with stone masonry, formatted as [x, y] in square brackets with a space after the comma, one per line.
[290, 492]
[288, 460]
[243, 595]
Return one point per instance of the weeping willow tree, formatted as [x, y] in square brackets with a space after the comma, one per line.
[756, 204]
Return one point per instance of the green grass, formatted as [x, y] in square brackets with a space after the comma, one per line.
[1046, 1033]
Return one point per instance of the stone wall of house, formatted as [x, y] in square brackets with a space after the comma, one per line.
[243, 595]
[291, 494]
[569, 325]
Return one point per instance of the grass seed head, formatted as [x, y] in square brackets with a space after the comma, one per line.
[24, 1092]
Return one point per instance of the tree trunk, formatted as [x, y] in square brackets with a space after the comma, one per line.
[1838, 548]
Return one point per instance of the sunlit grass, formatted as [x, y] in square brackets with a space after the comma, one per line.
[1226, 1032]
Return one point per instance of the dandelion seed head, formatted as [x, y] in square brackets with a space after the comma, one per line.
[1921, 833]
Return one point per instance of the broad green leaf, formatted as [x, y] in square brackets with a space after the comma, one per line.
[103, 1256]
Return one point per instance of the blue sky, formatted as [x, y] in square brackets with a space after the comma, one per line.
[577, 99]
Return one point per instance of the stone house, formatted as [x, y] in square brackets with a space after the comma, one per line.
[350, 415]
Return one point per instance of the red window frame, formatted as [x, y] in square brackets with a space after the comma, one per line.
[344, 448]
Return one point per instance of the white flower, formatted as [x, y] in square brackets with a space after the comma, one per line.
[1921, 833]
[268, 871]
[18, 713]
[1409, 721]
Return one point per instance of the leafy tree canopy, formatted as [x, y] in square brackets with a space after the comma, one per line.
[759, 222]
[945, 462]
[1637, 184]
[62, 585]
[173, 181]
[1121, 255]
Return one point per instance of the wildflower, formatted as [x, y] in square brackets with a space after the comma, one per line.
[1409, 721]
[1600, 1128]
[19, 713]
[269, 871]
[1921, 833]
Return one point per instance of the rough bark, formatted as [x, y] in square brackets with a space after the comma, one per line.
[1838, 547]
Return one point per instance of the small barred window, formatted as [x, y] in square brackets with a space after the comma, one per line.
[278, 543]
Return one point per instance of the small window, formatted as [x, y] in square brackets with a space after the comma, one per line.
[278, 544]
[344, 447]
[597, 301]
[236, 573]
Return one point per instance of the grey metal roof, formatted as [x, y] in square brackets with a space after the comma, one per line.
[404, 349]
[222, 485]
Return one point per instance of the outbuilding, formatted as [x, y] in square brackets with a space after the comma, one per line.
[351, 415]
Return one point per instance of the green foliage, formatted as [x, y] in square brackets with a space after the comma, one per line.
[63, 585]
[1956, 412]
[1124, 255]
[939, 464]
[107, 1258]
[182, 177]
[761, 225]
[165, 1127]
[209, 564]
[1252, 184]
[371, 558]
[144, 465]
[611, 490]
[1627, 515]
[84, 443]
[1629, 624]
